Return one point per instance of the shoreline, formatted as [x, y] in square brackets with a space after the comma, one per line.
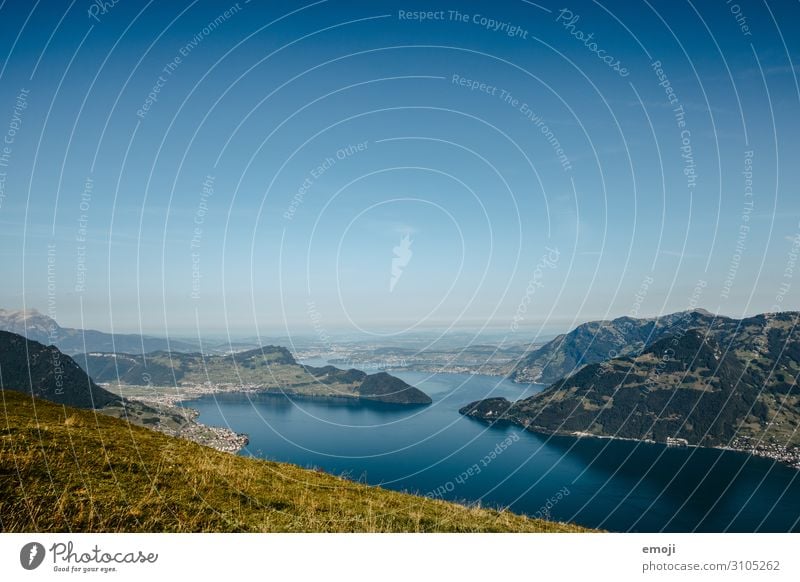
[788, 456]
[784, 455]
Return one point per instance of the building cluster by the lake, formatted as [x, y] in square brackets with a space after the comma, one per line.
[677, 442]
[176, 420]
[778, 452]
[222, 439]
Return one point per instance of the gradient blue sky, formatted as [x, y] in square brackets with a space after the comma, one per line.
[279, 87]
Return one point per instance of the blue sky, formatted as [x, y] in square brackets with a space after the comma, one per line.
[326, 132]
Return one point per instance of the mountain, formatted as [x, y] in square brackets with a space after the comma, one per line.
[597, 341]
[380, 387]
[41, 328]
[268, 369]
[32, 368]
[162, 368]
[732, 382]
[64, 469]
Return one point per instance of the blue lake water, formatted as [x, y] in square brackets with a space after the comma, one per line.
[610, 484]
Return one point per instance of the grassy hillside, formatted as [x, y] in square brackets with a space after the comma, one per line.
[64, 469]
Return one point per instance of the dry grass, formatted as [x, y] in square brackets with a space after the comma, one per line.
[72, 470]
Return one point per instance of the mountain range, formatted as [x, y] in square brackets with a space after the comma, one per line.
[712, 381]
[597, 341]
[104, 358]
[44, 329]
[265, 369]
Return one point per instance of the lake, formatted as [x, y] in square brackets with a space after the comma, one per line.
[609, 484]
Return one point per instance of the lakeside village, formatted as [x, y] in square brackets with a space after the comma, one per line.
[769, 450]
[167, 400]
[221, 439]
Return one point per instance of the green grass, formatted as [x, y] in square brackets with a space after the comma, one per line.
[64, 469]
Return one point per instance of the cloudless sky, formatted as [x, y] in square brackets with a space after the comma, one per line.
[325, 132]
